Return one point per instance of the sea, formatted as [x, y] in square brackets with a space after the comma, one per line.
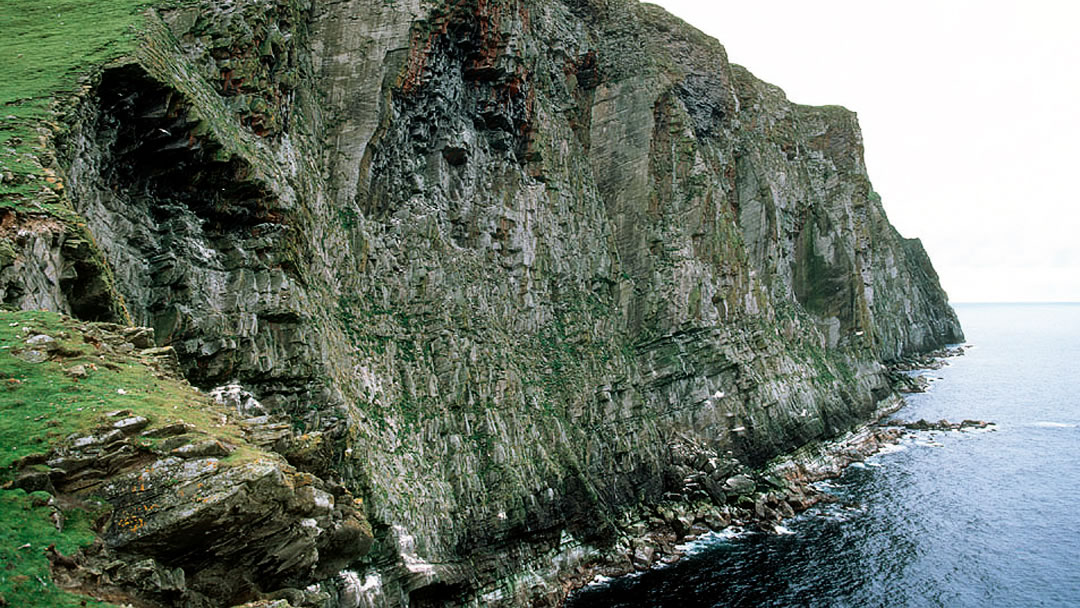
[943, 519]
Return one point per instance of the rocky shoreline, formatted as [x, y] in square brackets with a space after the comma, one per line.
[906, 382]
[941, 425]
[759, 500]
[762, 500]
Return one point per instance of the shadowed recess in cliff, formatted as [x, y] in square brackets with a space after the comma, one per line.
[162, 152]
[195, 239]
[461, 56]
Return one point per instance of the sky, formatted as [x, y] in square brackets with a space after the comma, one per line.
[970, 112]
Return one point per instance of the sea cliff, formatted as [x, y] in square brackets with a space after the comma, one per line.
[479, 283]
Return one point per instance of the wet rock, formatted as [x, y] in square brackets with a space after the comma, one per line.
[682, 525]
[32, 356]
[941, 425]
[740, 485]
[785, 510]
[717, 521]
[715, 490]
[643, 557]
[763, 512]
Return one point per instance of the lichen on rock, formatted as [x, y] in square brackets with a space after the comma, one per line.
[194, 514]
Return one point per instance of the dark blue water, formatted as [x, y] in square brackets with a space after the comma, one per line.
[950, 519]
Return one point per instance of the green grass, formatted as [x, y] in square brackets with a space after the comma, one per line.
[45, 47]
[40, 404]
[47, 42]
[24, 571]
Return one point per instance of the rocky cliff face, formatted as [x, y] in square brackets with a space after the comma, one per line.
[523, 267]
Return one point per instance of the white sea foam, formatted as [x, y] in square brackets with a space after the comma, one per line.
[782, 530]
[1054, 425]
[731, 533]
[891, 448]
[837, 514]
[599, 581]
[711, 538]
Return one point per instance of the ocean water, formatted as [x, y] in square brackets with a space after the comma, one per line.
[976, 518]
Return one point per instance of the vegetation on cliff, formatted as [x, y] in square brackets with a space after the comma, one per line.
[113, 445]
[24, 547]
[48, 49]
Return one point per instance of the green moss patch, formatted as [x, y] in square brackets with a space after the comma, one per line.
[46, 47]
[41, 403]
[27, 530]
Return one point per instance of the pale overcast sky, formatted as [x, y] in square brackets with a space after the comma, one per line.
[969, 111]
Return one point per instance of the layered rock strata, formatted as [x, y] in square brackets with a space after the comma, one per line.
[196, 502]
[524, 266]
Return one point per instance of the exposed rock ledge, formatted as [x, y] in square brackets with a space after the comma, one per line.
[196, 510]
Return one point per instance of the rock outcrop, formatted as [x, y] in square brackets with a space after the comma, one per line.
[519, 268]
[194, 509]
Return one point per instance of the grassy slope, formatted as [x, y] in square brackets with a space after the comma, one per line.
[24, 570]
[45, 47]
[41, 404]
